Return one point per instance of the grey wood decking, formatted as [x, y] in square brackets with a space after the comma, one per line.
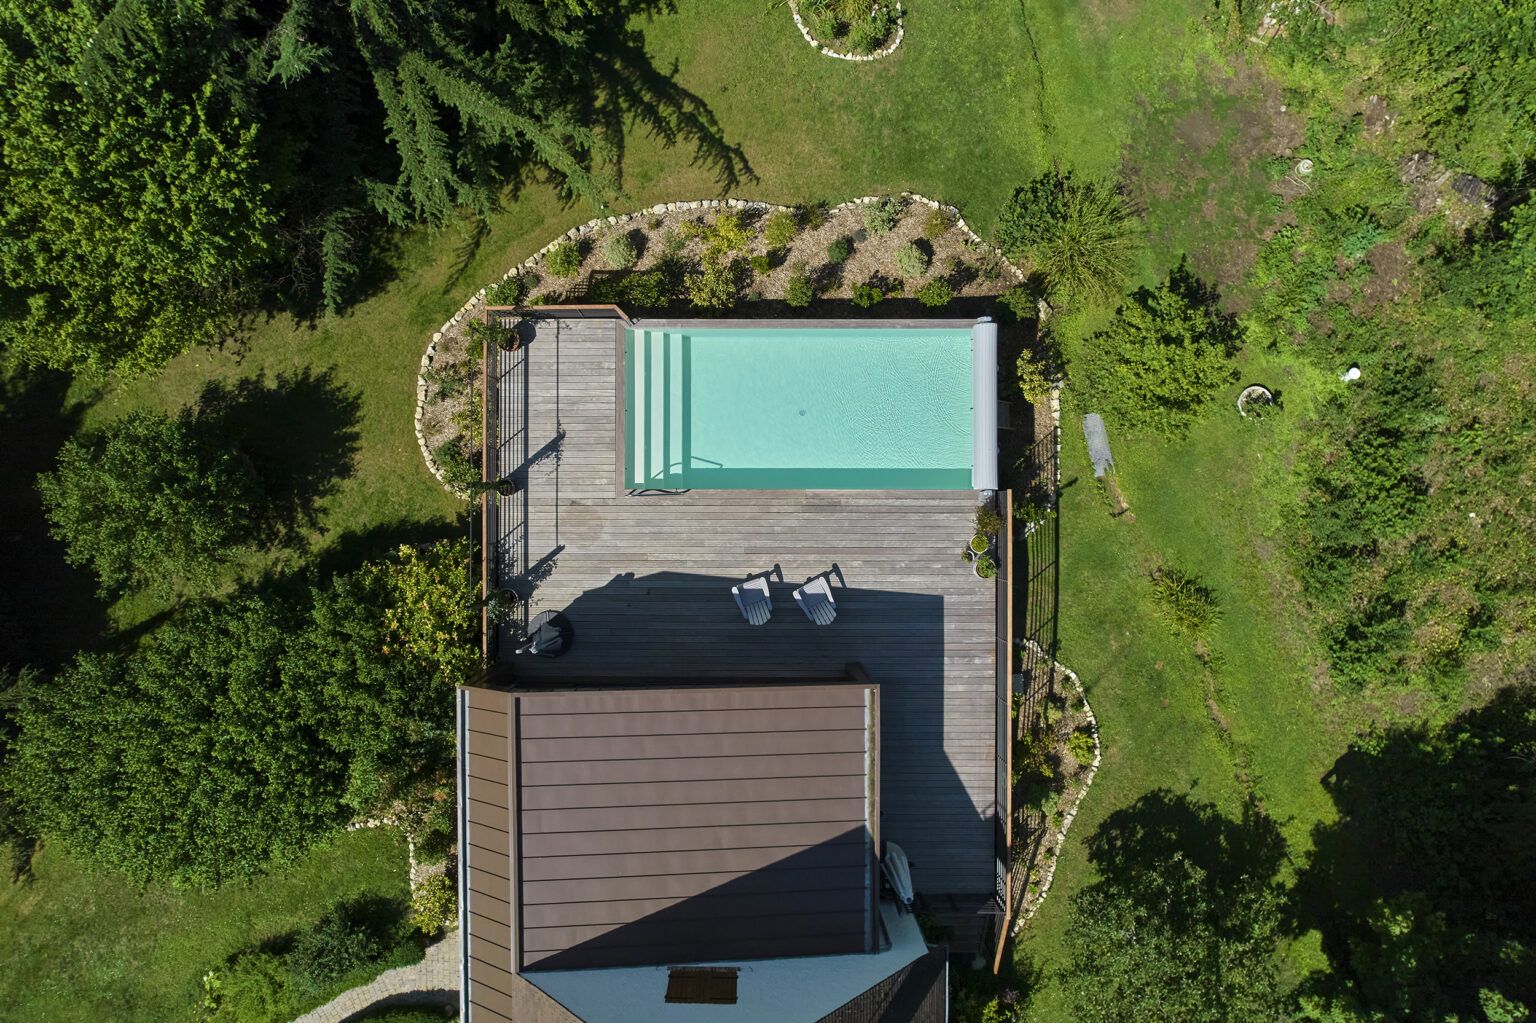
[645, 583]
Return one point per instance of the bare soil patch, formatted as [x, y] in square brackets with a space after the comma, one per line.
[1213, 194]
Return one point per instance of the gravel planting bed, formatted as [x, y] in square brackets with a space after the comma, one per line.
[672, 246]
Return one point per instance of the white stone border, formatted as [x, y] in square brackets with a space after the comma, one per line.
[1071, 814]
[477, 300]
[827, 51]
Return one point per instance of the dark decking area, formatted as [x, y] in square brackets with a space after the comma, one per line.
[645, 583]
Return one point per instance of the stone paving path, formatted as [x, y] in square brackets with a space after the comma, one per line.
[433, 981]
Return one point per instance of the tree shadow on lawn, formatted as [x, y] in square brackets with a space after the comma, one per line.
[1233, 853]
[1425, 885]
[625, 90]
[628, 90]
[299, 432]
[49, 610]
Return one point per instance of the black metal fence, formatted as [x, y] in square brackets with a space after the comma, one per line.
[1003, 811]
[1033, 586]
[1037, 583]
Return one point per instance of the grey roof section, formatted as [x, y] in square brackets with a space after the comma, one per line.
[649, 826]
[917, 993]
[854, 988]
[645, 584]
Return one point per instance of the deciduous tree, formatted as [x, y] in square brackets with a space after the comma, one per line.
[1163, 359]
[376, 666]
[184, 762]
[153, 500]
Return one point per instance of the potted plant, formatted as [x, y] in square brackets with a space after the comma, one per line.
[988, 521]
[986, 568]
[980, 544]
[500, 605]
[505, 487]
[509, 337]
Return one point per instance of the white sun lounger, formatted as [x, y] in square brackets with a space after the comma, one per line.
[815, 599]
[752, 597]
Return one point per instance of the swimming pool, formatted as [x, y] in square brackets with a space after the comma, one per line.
[809, 408]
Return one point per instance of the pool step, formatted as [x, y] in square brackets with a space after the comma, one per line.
[658, 388]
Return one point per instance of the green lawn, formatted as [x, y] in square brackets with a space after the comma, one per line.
[979, 97]
[84, 947]
[1254, 721]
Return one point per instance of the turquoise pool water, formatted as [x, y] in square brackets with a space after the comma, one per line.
[789, 408]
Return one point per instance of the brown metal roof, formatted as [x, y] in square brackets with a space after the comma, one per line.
[622, 827]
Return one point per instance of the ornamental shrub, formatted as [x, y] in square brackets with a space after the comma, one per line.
[1018, 303]
[761, 264]
[936, 225]
[1034, 384]
[1079, 234]
[457, 470]
[330, 950]
[253, 988]
[936, 293]
[1184, 602]
[867, 294]
[1032, 760]
[619, 251]
[651, 289]
[988, 521]
[715, 284]
[293, 974]
[564, 260]
[725, 234]
[865, 36]
[507, 291]
[798, 291]
[912, 260]
[1081, 745]
[780, 229]
[434, 903]
[838, 250]
[881, 215]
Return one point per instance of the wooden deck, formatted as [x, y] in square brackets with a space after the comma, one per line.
[645, 583]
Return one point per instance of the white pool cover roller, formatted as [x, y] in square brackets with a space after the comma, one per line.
[984, 405]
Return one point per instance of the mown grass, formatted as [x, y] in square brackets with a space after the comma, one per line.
[1255, 719]
[94, 947]
[979, 97]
